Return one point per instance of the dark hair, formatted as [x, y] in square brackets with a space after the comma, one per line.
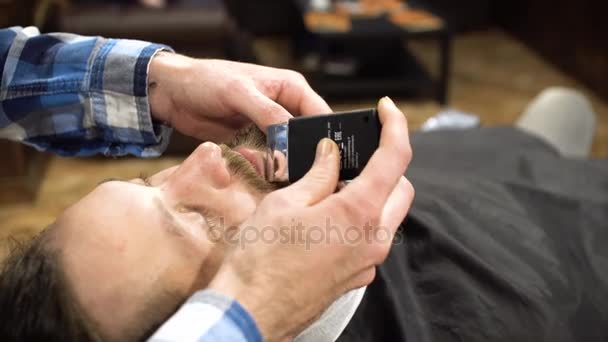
[37, 302]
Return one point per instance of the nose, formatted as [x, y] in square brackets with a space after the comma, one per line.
[204, 167]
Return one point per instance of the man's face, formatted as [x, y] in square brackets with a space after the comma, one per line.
[127, 240]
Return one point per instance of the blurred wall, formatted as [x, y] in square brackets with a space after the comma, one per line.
[16, 12]
[571, 34]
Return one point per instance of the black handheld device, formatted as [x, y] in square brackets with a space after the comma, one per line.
[291, 146]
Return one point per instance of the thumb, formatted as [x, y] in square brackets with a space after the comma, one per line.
[260, 109]
[322, 179]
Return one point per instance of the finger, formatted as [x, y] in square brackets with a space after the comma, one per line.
[388, 163]
[321, 180]
[300, 99]
[394, 211]
[313, 104]
[259, 108]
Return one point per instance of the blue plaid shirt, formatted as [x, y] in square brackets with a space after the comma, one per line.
[78, 96]
[209, 316]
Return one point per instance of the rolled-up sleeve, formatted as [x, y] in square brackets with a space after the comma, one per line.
[78, 96]
[209, 316]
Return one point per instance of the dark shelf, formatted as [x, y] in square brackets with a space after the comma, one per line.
[386, 67]
[408, 80]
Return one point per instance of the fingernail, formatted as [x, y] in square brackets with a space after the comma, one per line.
[324, 148]
[387, 101]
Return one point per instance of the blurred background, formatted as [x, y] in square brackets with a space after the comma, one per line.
[484, 57]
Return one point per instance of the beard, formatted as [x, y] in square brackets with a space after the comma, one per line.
[251, 137]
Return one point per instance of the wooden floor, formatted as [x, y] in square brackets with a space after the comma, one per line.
[493, 76]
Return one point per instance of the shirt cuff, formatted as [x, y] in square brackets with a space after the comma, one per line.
[119, 106]
[209, 316]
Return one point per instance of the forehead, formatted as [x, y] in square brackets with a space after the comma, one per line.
[106, 241]
[108, 201]
[102, 221]
[105, 234]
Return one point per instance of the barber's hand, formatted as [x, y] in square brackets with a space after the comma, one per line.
[212, 99]
[297, 267]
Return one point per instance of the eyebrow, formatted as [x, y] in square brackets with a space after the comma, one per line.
[168, 220]
[141, 176]
[111, 179]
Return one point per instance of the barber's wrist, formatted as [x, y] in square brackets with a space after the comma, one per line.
[253, 299]
[165, 71]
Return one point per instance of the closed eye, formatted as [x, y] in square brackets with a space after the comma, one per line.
[145, 179]
[141, 178]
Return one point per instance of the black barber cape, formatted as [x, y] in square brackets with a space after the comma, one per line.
[506, 241]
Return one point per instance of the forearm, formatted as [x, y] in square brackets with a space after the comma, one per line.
[76, 95]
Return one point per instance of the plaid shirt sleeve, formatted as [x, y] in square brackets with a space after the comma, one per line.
[209, 316]
[78, 96]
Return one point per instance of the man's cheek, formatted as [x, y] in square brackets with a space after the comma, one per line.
[223, 231]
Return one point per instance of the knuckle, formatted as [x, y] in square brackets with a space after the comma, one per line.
[235, 86]
[407, 153]
[369, 276]
[273, 87]
[323, 172]
[365, 278]
[405, 190]
[318, 177]
[403, 150]
[298, 77]
[408, 187]
[379, 253]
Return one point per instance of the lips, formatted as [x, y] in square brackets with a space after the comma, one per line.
[254, 157]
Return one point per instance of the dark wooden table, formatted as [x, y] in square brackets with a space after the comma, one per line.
[340, 27]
